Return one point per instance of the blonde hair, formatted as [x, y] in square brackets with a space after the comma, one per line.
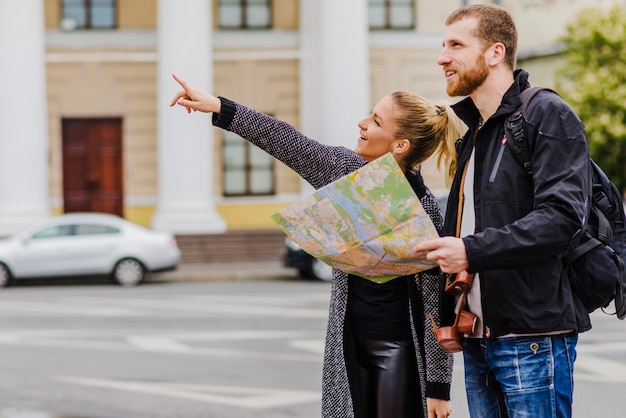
[431, 129]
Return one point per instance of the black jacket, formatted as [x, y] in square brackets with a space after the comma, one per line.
[524, 223]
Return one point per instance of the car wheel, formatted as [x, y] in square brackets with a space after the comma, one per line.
[5, 275]
[128, 272]
[321, 270]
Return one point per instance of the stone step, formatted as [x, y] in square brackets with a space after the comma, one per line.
[232, 246]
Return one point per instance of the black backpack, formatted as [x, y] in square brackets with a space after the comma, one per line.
[595, 262]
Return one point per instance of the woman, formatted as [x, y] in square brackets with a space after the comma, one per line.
[380, 349]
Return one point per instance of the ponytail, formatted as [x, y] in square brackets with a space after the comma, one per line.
[451, 128]
[431, 129]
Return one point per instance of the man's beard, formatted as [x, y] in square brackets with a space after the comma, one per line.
[469, 81]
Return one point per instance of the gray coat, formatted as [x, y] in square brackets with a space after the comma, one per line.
[320, 165]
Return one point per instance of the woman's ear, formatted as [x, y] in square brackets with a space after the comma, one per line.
[401, 146]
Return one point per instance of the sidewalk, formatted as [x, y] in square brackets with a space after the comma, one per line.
[252, 270]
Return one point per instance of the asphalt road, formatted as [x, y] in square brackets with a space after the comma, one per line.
[237, 348]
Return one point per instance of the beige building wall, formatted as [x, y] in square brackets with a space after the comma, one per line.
[271, 87]
[106, 89]
[431, 15]
[128, 90]
[414, 70]
[137, 14]
[110, 81]
[90, 83]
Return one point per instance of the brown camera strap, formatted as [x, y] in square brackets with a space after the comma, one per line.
[461, 203]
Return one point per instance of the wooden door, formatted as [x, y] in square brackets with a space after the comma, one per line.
[92, 165]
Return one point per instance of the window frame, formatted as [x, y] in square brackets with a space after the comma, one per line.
[244, 15]
[86, 7]
[247, 169]
[388, 13]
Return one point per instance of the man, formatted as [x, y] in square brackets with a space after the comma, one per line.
[513, 226]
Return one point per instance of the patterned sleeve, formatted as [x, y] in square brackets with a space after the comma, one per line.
[317, 163]
[438, 362]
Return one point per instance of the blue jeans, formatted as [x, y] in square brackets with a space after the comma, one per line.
[520, 377]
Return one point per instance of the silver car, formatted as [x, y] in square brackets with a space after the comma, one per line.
[86, 244]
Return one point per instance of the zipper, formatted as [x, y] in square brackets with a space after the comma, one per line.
[494, 171]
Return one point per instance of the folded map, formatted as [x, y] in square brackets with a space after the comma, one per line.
[365, 224]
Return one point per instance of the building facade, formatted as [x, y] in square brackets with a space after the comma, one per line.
[86, 123]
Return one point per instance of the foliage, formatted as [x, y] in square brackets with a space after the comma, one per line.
[593, 82]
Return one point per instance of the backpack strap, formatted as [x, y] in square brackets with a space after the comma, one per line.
[602, 202]
[514, 129]
[620, 292]
[584, 248]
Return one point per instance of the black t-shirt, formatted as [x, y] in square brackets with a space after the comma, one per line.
[379, 311]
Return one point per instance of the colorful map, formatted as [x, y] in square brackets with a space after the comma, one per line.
[365, 223]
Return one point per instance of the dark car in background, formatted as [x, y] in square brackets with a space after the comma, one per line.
[308, 266]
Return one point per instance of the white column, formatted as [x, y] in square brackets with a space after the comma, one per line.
[23, 116]
[185, 141]
[334, 75]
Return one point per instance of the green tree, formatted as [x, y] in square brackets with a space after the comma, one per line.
[593, 82]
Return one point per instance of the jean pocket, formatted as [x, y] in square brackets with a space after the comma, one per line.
[524, 363]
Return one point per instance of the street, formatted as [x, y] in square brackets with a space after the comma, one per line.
[239, 348]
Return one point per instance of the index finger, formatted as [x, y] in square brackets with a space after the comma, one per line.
[180, 81]
[426, 246]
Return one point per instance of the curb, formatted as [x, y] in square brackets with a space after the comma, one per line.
[248, 270]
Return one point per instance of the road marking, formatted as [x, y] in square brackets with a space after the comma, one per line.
[157, 344]
[169, 343]
[103, 307]
[10, 412]
[252, 398]
[599, 369]
[37, 308]
[314, 346]
[606, 346]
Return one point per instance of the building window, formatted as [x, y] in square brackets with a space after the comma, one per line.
[248, 170]
[88, 14]
[245, 14]
[391, 14]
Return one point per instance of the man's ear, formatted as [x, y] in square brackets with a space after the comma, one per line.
[497, 53]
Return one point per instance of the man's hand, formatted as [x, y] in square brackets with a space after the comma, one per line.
[448, 252]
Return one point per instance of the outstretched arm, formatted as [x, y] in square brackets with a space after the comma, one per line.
[317, 163]
[194, 98]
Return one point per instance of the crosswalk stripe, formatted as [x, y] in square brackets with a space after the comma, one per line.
[245, 397]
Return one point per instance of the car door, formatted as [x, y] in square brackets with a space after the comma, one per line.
[97, 245]
[45, 252]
